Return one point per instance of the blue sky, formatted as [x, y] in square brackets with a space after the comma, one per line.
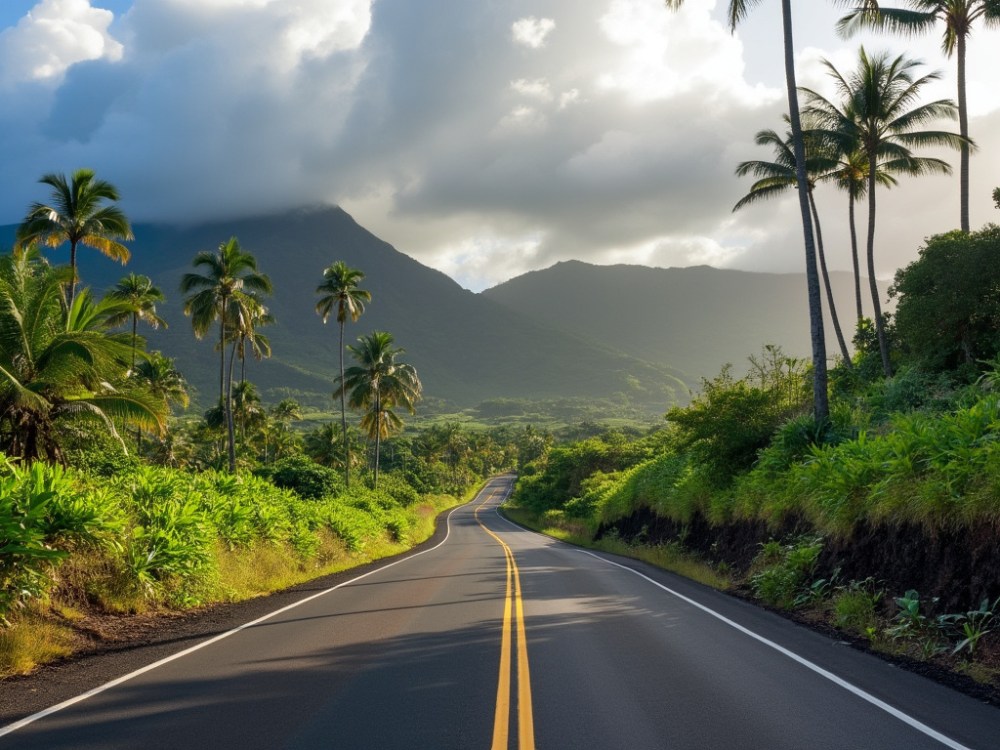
[12, 11]
[484, 139]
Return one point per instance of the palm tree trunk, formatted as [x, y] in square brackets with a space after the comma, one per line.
[135, 325]
[222, 349]
[72, 269]
[343, 413]
[378, 434]
[826, 282]
[963, 129]
[854, 257]
[821, 402]
[230, 430]
[883, 343]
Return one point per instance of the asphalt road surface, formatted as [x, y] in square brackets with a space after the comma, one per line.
[502, 638]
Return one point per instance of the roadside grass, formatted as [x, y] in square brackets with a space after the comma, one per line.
[34, 637]
[670, 557]
[93, 584]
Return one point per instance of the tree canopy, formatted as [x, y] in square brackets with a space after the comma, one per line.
[948, 313]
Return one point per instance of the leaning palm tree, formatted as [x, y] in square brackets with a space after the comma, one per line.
[78, 215]
[377, 385]
[958, 17]
[248, 316]
[139, 296]
[879, 113]
[776, 178]
[229, 281]
[58, 364]
[738, 10]
[340, 291]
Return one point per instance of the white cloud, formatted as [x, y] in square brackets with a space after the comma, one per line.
[54, 35]
[537, 88]
[532, 32]
[481, 148]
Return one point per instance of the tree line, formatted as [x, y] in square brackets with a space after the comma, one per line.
[864, 140]
[62, 353]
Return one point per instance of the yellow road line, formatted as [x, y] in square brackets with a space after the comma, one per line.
[501, 720]
[525, 715]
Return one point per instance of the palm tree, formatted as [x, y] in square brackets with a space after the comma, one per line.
[78, 215]
[340, 290]
[247, 315]
[138, 294]
[277, 426]
[778, 176]
[377, 385]
[57, 363]
[958, 17]
[247, 409]
[738, 10]
[879, 116]
[228, 284]
[161, 378]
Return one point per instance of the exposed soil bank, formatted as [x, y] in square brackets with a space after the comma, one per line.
[960, 568]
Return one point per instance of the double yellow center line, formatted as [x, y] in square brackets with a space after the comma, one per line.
[513, 608]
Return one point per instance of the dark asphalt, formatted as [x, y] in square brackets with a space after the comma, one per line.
[408, 657]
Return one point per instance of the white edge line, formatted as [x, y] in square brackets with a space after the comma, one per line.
[877, 702]
[10, 728]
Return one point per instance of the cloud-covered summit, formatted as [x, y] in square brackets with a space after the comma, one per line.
[485, 139]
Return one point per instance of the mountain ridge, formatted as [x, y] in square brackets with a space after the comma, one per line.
[466, 348]
[697, 318]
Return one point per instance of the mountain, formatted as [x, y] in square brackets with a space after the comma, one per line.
[697, 319]
[466, 347]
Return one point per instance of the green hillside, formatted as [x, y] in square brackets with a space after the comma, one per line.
[697, 319]
[466, 347]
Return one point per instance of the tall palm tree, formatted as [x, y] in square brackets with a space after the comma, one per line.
[229, 282]
[738, 10]
[78, 215]
[139, 296]
[778, 176]
[340, 291]
[377, 385]
[57, 364]
[880, 114]
[958, 16]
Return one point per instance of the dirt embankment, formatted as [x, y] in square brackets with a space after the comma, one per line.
[957, 567]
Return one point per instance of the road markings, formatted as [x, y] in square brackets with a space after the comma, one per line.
[864, 695]
[840, 682]
[513, 601]
[166, 660]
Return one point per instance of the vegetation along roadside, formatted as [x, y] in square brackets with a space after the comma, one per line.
[881, 524]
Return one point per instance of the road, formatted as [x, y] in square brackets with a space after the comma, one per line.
[502, 638]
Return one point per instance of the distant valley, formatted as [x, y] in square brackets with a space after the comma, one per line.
[622, 334]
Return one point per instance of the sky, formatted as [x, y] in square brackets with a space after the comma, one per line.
[485, 139]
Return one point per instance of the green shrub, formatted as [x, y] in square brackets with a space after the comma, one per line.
[855, 607]
[786, 580]
[304, 476]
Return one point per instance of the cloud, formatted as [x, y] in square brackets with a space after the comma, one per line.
[54, 35]
[532, 32]
[470, 135]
